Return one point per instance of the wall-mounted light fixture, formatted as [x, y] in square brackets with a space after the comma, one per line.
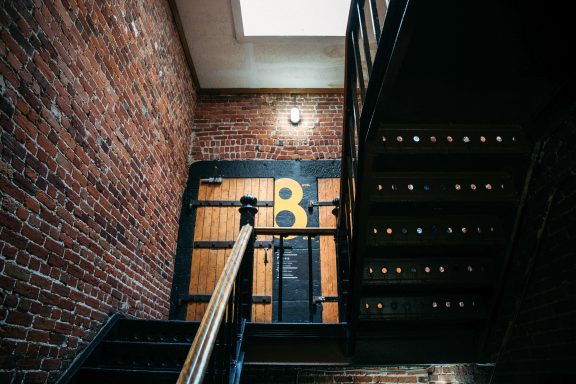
[295, 115]
[294, 112]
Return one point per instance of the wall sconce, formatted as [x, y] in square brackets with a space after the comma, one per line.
[295, 115]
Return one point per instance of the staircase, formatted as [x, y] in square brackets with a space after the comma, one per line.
[214, 350]
[137, 351]
[438, 149]
[153, 351]
[442, 202]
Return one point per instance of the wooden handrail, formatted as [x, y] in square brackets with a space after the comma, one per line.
[199, 355]
[291, 231]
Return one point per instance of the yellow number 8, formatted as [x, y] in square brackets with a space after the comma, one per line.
[290, 204]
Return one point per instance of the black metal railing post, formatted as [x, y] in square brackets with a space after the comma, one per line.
[365, 40]
[375, 20]
[339, 272]
[247, 216]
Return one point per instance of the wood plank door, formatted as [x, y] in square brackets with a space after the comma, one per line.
[222, 224]
[327, 190]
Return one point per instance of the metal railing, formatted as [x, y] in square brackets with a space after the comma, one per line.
[216, 352]
[371, 44]
[362, 39]
[282, 233]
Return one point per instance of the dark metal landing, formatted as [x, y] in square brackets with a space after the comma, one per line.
[422, 344]
[296, 344]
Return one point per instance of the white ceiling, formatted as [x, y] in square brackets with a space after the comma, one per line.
[221, 61]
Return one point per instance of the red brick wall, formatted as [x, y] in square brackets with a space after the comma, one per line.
[257, 126]
[96, 110]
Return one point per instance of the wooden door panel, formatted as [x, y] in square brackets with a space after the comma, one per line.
[327, 190]
[197, 255]
[262, 258]
[222, 224]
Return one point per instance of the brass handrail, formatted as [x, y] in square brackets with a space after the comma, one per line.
[199, 355]
[291, 231]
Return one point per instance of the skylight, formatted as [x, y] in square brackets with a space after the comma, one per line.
[294, 17]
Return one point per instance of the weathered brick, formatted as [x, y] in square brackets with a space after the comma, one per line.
[19, 318]
[242, 127]
[73, 138]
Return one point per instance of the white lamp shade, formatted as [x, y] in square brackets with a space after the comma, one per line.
[295, 115]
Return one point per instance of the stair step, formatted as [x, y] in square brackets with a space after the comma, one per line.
[394, 187]
[455, 272]
[139, 355]
[126, 376]
[448, 162]
[443, 307]
[503, 210]
[455, 139]
[456, 230]
[154, 331]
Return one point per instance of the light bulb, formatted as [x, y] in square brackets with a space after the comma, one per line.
[295, 115]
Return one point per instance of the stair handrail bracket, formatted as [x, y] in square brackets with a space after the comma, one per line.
[232, 289]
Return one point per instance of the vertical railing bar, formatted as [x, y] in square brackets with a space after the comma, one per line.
[224, 354]
[310, 281]
[229, 354]
[356, 116]
[339, 287]
[233, 317]
[352, 177]
[352, 140]
[364, 31]
[210, 371]
[352, 100]
[280, 276]
[220, 352]
[237, 304]
[231, 333]
[352, 124]
[216, 354]
[375, 20]
[358, 66]
[356, 125]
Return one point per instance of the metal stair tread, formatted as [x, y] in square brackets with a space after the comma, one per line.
[146, 343]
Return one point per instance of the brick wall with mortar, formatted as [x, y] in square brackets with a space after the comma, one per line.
[447, 374]
[257, 126]
[96, 113]
[542, 338]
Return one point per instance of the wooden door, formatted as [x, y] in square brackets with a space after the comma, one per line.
[222, 224]
[327, 190]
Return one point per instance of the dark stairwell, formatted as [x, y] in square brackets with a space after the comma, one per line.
[450, 108]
